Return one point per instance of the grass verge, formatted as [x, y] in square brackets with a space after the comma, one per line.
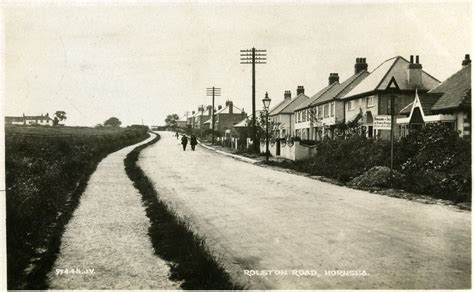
[45, 177]
[172, 239]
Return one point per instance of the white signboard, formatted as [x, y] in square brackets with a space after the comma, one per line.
[382, 122]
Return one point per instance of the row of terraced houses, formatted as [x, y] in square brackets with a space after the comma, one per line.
[363, 98]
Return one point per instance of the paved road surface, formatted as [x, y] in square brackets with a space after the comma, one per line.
[257, 218]
[108, 233]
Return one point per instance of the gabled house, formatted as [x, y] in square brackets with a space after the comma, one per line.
[369, 101]
[282, 116]
[449, 103]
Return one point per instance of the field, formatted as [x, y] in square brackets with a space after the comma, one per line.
[47, 169]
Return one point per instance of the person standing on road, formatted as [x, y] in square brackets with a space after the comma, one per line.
[177, 136]
[184, 142]
[193, 142]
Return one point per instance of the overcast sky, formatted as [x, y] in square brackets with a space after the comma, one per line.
[147, 61]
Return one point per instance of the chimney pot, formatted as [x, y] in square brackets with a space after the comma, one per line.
[466, 61]
[333, 77]
[415, 73]
[299, 90]
[287, 94]
[360, 65]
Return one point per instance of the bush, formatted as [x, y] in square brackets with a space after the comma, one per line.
[344, 159]
[437, 162]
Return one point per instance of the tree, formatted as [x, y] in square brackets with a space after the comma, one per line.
[172, 120]
[59, 116]
[113, 122]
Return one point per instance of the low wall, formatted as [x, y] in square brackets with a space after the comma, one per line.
[292, 151]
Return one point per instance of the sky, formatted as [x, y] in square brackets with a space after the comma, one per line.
[142, 61]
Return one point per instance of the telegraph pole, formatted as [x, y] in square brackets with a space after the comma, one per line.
[253, 56]
[213, 91]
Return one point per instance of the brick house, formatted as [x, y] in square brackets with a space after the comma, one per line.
[449, 103]
[226, 117]
[370, 99]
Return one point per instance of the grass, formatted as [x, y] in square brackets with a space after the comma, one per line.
[45, 177]
[172, 239]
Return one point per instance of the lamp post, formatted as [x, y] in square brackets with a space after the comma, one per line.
[266, 107]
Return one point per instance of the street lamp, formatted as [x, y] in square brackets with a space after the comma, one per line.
[266, 107]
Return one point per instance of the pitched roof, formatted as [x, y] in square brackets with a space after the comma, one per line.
[37, 118]
[340, 89]
[280, 106]
[317, 95]
[14, 119]
[380, 77]
[246, 122]
[225, 110]
[455, 91]
[290, 108]
[426, 101]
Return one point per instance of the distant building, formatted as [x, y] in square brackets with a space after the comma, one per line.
[42, 120]
[227, 117]
[449, 103]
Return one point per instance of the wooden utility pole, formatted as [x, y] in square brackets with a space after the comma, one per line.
[253, 56]
[392, 122]
[213, 91]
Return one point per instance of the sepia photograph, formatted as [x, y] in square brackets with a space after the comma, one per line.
[235, 145]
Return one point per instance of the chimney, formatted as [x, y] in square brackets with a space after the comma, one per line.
[230, 104]
[333, 77]
[47, 115]
[414, 73]
[193, 112]
[299, 90]
[287, 94]
[360, 65]
[219, 107]
[209, 108]
[466, 61]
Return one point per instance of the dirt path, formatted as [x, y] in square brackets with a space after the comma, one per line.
[108, 233]
[260, 219]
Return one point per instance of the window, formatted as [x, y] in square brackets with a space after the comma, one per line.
[320, 112]
[350, 105]
[370, 101]
[332, 109]
[304, 115]
[326, 110]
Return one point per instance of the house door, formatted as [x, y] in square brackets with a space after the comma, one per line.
[277, 146]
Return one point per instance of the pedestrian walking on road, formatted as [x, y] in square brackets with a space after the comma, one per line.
[184, 142]
[193, 142]
[177, 136]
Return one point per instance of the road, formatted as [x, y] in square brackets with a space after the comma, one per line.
[258, 220]
[107, 239]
